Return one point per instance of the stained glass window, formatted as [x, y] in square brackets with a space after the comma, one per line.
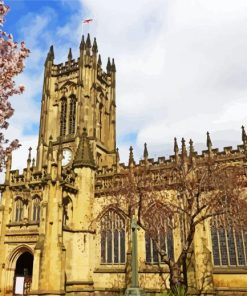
[112, 238]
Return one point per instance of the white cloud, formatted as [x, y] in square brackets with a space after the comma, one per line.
[181, 67]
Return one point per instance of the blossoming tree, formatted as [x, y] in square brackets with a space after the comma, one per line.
[12, 56]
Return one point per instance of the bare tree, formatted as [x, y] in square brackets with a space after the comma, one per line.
[180, 195]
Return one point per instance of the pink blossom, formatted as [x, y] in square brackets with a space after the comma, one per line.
[12, 58]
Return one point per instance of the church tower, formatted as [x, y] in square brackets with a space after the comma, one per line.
[78, 94]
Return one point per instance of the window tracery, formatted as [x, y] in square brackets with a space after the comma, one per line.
[36, 209]
[18, 209]
[159, 234]
[72, 114]
[112, 238]
[63, 116]
[229, 245]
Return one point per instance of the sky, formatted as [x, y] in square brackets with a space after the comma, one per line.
[181, 67]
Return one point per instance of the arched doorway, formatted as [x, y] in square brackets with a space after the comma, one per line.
[23, 274]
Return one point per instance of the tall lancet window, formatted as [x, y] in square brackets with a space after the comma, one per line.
[229, 244]
[72, 114]
[112, 238]
[36, 209]
[18, 209]
[63, 116]
[159, 234]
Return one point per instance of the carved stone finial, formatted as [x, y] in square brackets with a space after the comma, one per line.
[131, 157]
[113, 67]
[50, 55]
[209, 142]
[33, 162]
[70, 57]
[175, 146]
[95, 46]
[29, 153]
[108, 66]
[145, 152]
[184, 151]
[88, 41]
[244, 137]
[82, 44]
[99, 61]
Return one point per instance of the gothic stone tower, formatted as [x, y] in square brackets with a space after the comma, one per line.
[76, 95]
[46, 211]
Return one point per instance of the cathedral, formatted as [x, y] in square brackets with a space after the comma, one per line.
[59, 232]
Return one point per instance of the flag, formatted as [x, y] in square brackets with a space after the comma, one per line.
[87, 21]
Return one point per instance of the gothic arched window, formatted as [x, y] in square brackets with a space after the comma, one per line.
[72, 114]
[18, 209]
[36, 209]
[63, 116]
[229, 245]
[112, 238]
[159, 234]
[164, 241]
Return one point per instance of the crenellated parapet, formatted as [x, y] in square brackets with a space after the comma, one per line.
[162, 170]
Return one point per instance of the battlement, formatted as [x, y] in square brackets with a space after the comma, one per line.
[88, 58]
[106, 176]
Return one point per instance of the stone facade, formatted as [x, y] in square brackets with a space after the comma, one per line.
[54, 209]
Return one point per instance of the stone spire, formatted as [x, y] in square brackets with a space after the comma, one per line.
[192, 152]
[29, 154]
[184, 151]
[113, 67]
[108, 66]
[84, 155]
[50, 55]
[145, 152]
[70, 57]
[88, 42]
[131, 157]
[82, 44]
[244, 137]
[95, 46]
[209, 142]
[176, 150]
[99, 61]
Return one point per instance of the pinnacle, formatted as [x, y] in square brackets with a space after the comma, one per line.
[82, 44]
[209, 142]
[70, 55]
[175, 146]
[95, 46]
[184, 151]
[88, 41]
[113, 67]
[84, 155]
[131, 157]
[145, 152]
[244, 137]
[108, 66]
[99, 60]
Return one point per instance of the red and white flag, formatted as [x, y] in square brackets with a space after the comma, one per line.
[87, 21]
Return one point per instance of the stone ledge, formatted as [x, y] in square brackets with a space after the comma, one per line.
[232, 270]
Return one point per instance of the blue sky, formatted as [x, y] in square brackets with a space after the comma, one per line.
[181, 67]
